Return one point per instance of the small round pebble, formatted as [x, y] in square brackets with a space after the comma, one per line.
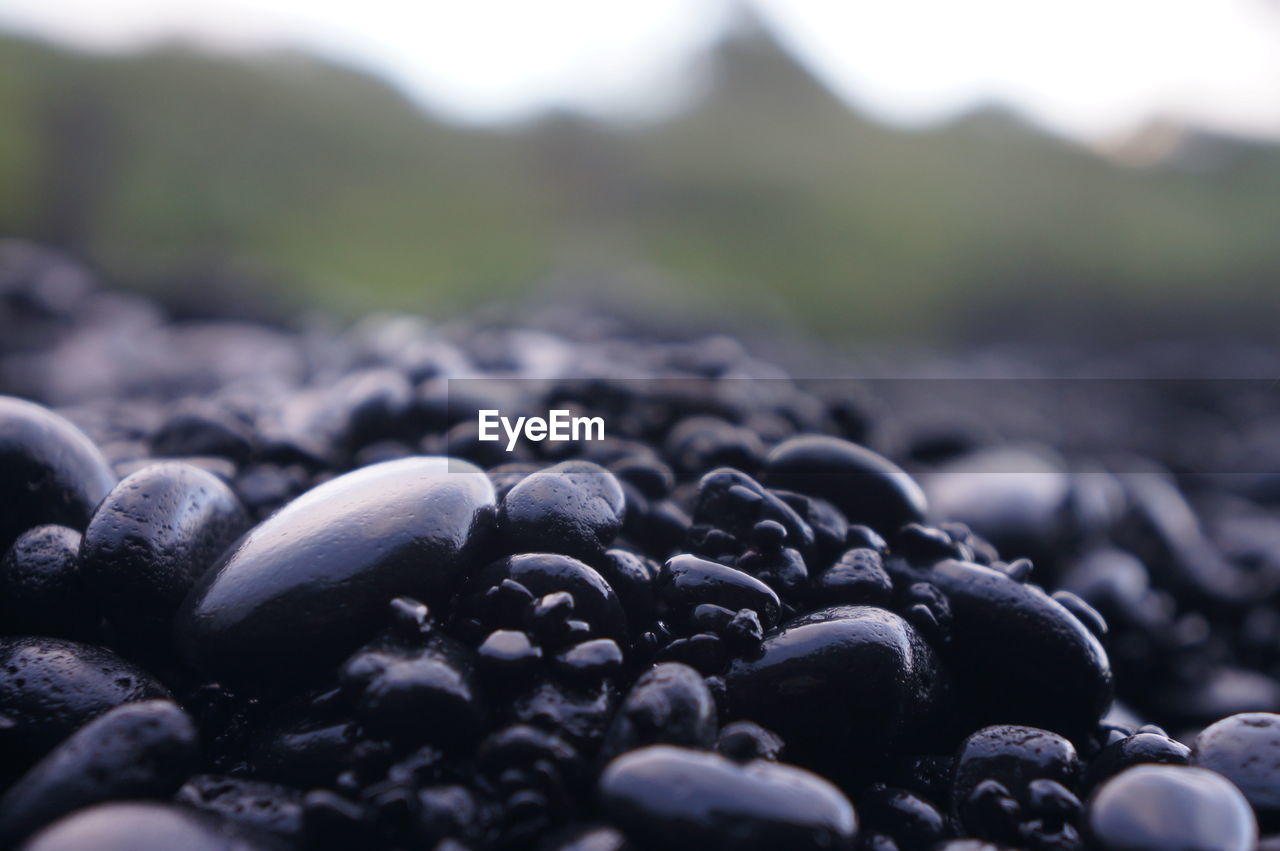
[1245, 749]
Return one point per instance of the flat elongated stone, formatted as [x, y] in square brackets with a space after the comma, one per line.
[312, 582]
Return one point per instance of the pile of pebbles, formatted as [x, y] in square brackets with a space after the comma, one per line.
[265, 588]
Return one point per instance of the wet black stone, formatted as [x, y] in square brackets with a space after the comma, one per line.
[839, 684]
[632, 577]
[781, 568]
[1245, 749]
[857, 578]
[313, 581]
[139, 750]
[685, 799]
[1012, 639]
[866, 487]
[669, 704]
[687, 581]
[151, 538]
[42, 591]
[575, 508]
[50, 687]
[50, 472]
[142, 826]
[1004, 762]
[1170, 808]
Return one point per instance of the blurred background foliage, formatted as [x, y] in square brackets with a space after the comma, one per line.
[281, 181]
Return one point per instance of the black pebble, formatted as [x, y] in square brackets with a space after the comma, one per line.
[575, 508]
[678, 798]
[50, 472]
[49, 687]
[865, 486]
[152, 537]
[310, 583]
[139, 750]
[42, 591]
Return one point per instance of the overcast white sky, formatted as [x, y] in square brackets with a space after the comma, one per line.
[1085, 67]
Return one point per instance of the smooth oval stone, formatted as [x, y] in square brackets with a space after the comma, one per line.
[670, 704]
[312, 582]
[687, 581]
[1171, 808]
[1013, 640]
[42, 591]
[1245, 749]
[838, 683]
[140, 750]
[49, 687]
[594, 600]
[671, 797]
[152, 538]
[145, 826]
[50, 472]
[575, 508]
[865, 486]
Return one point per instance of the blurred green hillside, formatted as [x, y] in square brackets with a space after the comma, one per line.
[769, 198]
